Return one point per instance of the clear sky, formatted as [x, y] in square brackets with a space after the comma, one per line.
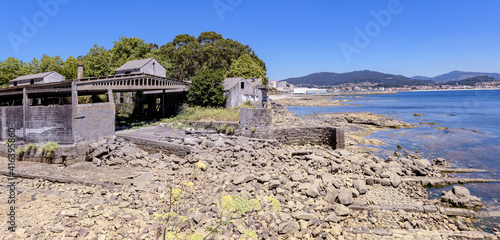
[294, 38]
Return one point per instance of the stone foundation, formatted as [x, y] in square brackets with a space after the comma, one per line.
[331, 136]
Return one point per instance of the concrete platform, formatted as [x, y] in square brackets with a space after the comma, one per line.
[148, 138]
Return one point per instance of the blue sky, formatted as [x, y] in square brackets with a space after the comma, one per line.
[294, 38]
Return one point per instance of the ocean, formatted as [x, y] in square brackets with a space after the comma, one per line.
[462, 126]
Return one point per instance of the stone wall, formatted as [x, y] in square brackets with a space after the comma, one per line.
[330, 136]
[256, 123]
[11, 117]
[212, 125]
[257, 117]
[49, 123]
[95, 121]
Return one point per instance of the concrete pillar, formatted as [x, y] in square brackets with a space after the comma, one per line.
[118, 98]
[110, 96]
[25, 112]
[163, 104]
[74, 106]
[80, 71]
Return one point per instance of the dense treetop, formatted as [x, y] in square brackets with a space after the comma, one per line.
[183, 57]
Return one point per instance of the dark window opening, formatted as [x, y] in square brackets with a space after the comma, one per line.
[32, 81]
[242, 85]
[128, 72]
[15, 83]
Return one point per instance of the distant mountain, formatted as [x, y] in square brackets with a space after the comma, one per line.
[470, 81]
[457, 76]
[421, 78]
[328, 79]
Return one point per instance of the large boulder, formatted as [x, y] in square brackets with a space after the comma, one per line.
[395, 180]
[288, 228]
[360, 185]
[345, 196]
[460, 197]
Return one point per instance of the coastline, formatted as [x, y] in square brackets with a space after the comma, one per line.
[439, 90]
[487, 212]
[323, 193]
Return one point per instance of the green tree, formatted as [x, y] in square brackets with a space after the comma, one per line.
[10, 69]
[127, 49]
[247, 67]
[206, 90]
[162, 58]
[183, 52]
[48, 64]
[98, 62]
[32, 67]
[70, 68]
[190, 55]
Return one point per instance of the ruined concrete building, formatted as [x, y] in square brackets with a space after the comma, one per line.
[46, 77]
[46, 107]
[239, 90]
[148, 66]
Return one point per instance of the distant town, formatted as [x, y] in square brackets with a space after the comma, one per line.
[278, 87]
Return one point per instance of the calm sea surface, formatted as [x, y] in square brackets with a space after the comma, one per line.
[472, 139]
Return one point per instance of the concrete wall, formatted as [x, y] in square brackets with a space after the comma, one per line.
[234, 97]
[94, 121]
[256, 123]
[330, 136]
[237, 95]
[154, 68]
[54, 77]
[11, 117]
[258, 117]
[49, 123]
[26, 82]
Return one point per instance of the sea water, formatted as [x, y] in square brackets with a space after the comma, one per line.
[462, 126]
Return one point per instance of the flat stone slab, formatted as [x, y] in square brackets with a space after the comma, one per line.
[460, 170]
[458, 212]
[433, 182]
[148, 138]
[419, 233]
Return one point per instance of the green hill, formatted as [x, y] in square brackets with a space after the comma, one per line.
[469, 81]
[457, 76]
[329, 79]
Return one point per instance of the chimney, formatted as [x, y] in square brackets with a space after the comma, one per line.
[80, 71]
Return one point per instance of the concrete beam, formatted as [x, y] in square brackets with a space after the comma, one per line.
[25, 111]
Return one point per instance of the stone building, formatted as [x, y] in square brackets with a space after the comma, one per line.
[149, 66]
[239, 90]
[46, 77]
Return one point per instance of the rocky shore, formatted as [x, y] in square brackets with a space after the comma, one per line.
[304, 192]
[307, 100]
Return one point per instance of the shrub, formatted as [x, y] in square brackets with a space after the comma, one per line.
[49, 149]
[31, 147]
[230, 130]
[254, 129]
[231, 207]
[20, 151]
[9, 141]
[207, 90]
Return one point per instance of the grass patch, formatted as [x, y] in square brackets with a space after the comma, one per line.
[196, 113]
[210, 114]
